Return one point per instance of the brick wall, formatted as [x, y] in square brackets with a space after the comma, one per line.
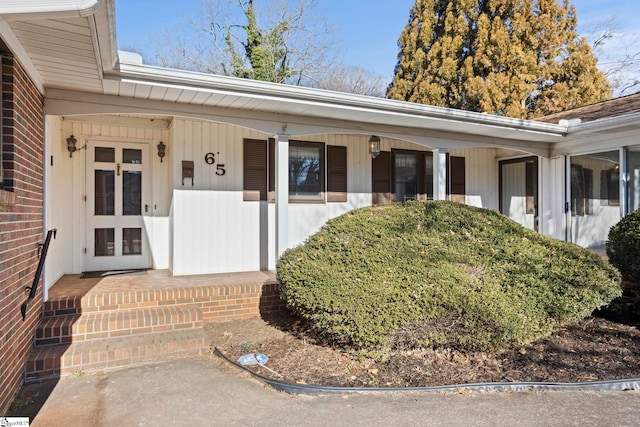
[21, 221]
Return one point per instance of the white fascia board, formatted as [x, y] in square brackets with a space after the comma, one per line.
[146, 74]
[47, 9]
[610, 124]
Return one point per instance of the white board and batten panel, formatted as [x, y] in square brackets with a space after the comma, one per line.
[212, 229]
[481, 176]
[59, 185]
[214, 232]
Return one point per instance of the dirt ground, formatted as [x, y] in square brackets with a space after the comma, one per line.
[603, 347]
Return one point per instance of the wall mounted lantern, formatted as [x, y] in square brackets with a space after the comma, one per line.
[161, 150]
[71, 145]
[374, 146]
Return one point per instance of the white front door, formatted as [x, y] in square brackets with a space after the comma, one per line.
[118, 197]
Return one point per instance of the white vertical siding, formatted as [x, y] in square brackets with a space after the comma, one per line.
[57, 200]
[481, 172]
[214, 232]
[65, 185]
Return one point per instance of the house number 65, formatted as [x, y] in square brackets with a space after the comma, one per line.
[210, 159]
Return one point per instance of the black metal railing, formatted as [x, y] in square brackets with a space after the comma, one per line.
[43, 248]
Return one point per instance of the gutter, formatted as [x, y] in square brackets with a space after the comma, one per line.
[47, 9]
[146, 74]
[613, 123]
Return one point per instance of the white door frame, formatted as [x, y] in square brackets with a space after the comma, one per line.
[116, 260]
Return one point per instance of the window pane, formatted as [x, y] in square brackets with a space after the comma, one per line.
[104, 192]
[104, 242]
[406, 177]
[633, 167]
[428, 167]
[595, 197]
[132, 156]
[104, 154]
[305, 170]
[131, 241]
[131, 193]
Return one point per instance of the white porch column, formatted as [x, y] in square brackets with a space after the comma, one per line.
[439, 174]
[282, 194]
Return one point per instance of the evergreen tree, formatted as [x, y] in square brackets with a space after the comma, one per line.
[516, 58]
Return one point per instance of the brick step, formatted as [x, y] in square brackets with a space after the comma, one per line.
[83, 327]
[229, 301]
[112, 353]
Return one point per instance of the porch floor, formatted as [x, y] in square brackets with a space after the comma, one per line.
[73, 285]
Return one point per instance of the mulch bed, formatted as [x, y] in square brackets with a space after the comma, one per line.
[603, 347]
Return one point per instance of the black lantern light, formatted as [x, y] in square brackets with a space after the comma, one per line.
[161, 150]
[374, 146]
[71, 145]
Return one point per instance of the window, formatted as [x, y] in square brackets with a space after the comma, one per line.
[402, 175]
[306, 174]
[406, 176]
[578, 190]
[633, 170]
[587, 194]
[307, 171]
[610, 187]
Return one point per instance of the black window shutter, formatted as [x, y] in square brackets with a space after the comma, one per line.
[255, 170]
[381, 178]
[336, 173]
[457, 178]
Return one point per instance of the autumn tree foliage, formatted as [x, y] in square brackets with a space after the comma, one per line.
[515, 58]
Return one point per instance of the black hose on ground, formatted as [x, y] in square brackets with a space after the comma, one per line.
[307, 389]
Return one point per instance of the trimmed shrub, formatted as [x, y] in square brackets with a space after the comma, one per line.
[623, 246]
[453, 275]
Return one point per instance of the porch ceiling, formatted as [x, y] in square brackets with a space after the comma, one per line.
[63, 44]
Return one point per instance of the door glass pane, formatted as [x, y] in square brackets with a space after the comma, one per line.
[104, 192]
[132, 156]
[131, 193]
[131, 241]
[104, 242]
[633, 168]
[595, 197]
[406, 177]
[104, 154]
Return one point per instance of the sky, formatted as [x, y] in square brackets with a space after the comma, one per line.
[366, 31]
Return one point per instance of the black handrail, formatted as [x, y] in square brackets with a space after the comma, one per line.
[33, 289]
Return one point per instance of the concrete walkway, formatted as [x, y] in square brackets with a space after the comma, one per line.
[204, 392]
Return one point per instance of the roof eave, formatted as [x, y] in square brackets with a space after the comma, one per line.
[202, 81]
